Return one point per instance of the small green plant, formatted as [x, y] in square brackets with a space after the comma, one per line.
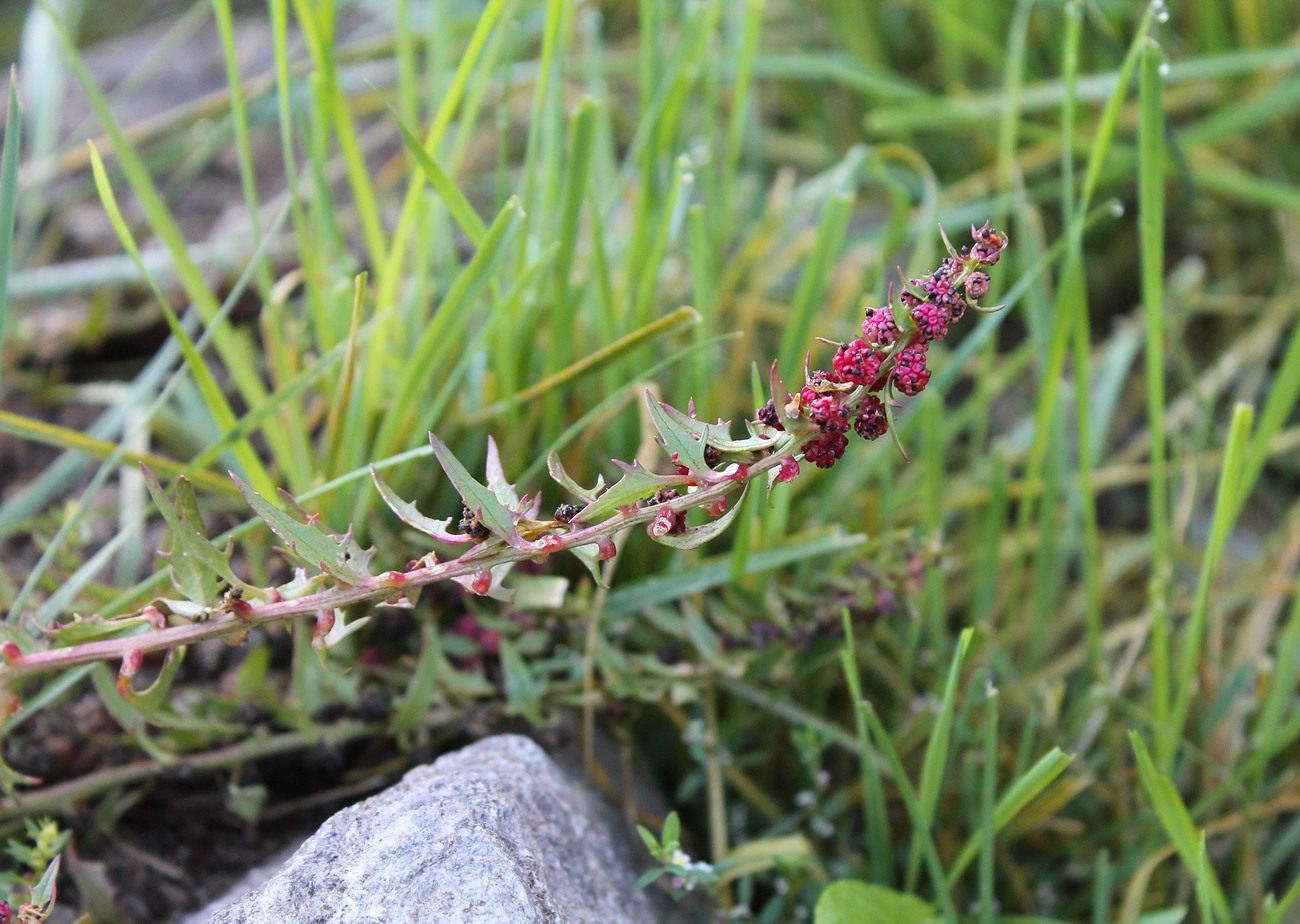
[684, 873]
[37, 858]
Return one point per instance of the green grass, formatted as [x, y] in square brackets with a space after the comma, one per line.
[1043, 671]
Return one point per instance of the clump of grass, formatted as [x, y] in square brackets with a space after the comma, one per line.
[1030, 673]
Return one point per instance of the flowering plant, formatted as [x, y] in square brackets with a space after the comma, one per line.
[499, 527]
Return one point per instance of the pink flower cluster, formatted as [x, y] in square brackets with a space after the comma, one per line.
[890, 356]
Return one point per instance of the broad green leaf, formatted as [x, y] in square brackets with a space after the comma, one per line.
[717, 435]
[497, 482]
[88, 629]
[246, 802]
[851, 902]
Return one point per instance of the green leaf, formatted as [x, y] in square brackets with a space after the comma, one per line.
[695, 536]
[787, 852]
[443, 185]
[637, 484]
[410, 712]
[702, 636]
[406, 512]
[672, 832]
[648, 877]
[43, 891]
[589, 555]
[9, 193]
[678, 440]
[311, 543]
[88, 629]
[246, 802]
[936, 752]
[477, 497]
[523, 690]
[851, 902]
[195, 563]
[648, 838]
[1022, 792]
[1177, 822]
[564, 480]
[151, 702]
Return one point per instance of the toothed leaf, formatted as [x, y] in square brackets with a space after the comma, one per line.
[477, 497]
[497, 483]
[310, 543]
[406, 512]
[678, 439]
[196, 565]
[635, 485]
[563, 479]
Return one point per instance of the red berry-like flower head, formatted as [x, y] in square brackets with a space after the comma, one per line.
[909, 373]
[871, 422]
[826, 449]
[827, 412]
[879, 327]
[977, 286]
[857, 363]
[931, 321]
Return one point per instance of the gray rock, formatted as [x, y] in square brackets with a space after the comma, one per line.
[491, 834]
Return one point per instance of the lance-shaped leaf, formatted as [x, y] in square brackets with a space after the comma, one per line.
[497, 483]
[564, 480]
[478, 498]
[406, 512]
[310, 542]
[717, 435]
[695, 536]
[196, 565]
[636, 484]
[687, 447]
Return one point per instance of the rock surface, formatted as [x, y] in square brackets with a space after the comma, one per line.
[491, 834]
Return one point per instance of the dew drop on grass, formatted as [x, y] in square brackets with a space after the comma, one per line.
[1164, 69]
[1160, 10]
